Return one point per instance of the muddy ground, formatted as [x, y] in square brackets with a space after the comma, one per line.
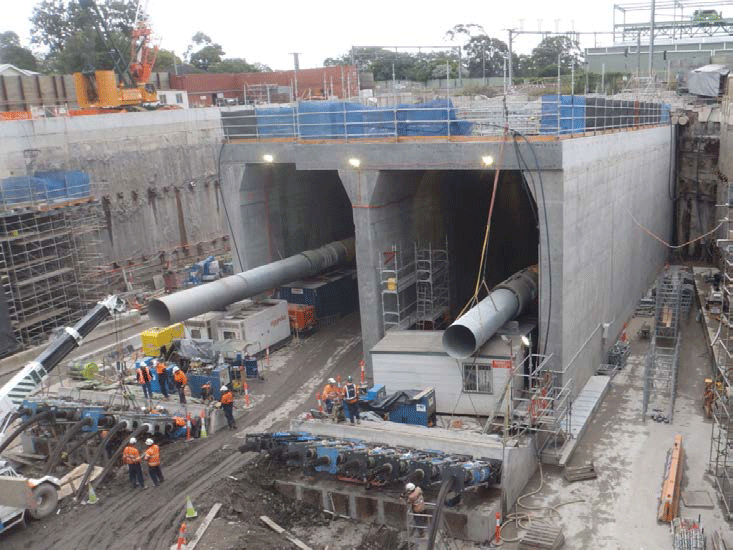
[149, 519]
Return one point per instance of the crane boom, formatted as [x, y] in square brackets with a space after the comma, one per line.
[34, 373]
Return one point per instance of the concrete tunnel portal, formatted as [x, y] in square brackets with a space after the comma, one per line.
[287, 208]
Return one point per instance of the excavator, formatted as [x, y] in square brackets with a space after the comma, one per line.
[99, 89]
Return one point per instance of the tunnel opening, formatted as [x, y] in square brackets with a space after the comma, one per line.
[287, 211]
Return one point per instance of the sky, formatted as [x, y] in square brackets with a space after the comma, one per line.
[269, 33]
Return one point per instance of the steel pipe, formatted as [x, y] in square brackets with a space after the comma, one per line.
[506, 302]
[219, 294]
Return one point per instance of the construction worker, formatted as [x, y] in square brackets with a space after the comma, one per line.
[152, 457]
[227, 403]
[144, 377]
[330, 395]
[351, 401]
[162, 377]
[179, 377]
[131, 457]
[416, 501]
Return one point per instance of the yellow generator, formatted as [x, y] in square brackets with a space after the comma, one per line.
[100, 90]
[154, 338]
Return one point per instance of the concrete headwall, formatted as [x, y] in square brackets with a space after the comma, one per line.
[156, 172]
[615, 193]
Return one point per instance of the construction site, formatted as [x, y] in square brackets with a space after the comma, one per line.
[447, 322]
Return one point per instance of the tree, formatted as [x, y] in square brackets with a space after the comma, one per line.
[233, 65]
[202, 53]
[166, 61]
[485, 56]
[12, 52]
[75, 35]
[545, 55]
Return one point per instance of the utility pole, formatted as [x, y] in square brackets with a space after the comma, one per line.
[511, 57]
[651, 40]
[296, 66]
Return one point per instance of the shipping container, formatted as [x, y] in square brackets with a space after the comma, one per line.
[333, 294]
[260, 324]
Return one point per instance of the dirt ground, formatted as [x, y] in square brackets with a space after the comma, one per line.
[210, 470]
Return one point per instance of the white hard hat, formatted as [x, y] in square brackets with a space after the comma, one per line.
[224, 388]
[133, 441]
[331, 381]
[148, 442]
[410, 487]
[143, 409]
[176, 369]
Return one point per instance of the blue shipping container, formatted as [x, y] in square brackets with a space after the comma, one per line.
[333, 293]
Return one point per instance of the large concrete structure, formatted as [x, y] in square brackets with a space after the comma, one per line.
[597, 197]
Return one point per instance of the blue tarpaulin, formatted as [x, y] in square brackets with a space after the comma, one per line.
[339, 119]
[55, 185]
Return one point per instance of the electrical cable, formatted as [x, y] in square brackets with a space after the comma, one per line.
[224, 203]
[665, 243]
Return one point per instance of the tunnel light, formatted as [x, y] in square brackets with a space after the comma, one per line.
[268, 158]
[487, 160]
[356, 163]
[525, 341]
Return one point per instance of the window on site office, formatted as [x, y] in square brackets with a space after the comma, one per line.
[179, 98]
[477, 378]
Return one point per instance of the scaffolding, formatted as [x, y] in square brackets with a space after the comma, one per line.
[398, 280]
[721, 437]
[660, 373]
[38, 272]
[433, 298]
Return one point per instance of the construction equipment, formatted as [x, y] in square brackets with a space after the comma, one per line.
[669, 502]
[203, 272]
[99, 88]
[34, 373]
[20, 495]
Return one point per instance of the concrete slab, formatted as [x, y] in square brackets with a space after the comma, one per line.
[697, 499]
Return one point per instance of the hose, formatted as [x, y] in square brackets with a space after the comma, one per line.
[93, 462]
[525, 520]
[113, 459]
[446, 486]
[20, 429]
[56, 453]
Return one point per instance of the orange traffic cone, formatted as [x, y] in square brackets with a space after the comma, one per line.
[363, 374]
[497, 533]
[182, 536]
[320, 404]
[188, 427]
[204, 434]
[246, 394]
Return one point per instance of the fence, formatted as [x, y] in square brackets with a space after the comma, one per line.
[548, 115]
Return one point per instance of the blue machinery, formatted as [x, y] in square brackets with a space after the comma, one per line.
[360, 462]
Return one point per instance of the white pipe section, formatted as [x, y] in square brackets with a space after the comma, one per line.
[506, 302]
[219, 294]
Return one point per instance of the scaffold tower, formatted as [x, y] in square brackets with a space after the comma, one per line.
[721, 464]
[398, 279]
[433, 299]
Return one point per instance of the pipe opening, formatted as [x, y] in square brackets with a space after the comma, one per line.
[459, 341]
[159, 313]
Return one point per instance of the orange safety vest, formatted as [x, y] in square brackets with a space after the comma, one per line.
[130, 455]
[152, 455]
[179, 421]
[180, 378]
[227, 398]
[331, 392]
[143, 374]
[160, 367]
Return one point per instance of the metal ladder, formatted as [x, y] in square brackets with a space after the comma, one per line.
[418, 529]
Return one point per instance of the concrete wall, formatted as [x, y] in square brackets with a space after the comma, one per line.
[608, 261]
[157, 172]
